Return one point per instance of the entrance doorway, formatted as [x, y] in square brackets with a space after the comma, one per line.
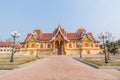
[59, 47]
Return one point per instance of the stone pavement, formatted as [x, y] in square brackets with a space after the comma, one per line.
[57, 68]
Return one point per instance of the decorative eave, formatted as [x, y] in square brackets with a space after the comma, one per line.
[48, 37]
[36, 37]
[83, 35]
[28, 36]
[92, 39]
[89, 37]
[31, 34]
[59, 30]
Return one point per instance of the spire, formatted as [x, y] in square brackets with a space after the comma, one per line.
[59, 26]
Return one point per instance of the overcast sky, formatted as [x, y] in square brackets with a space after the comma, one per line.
[24, 16]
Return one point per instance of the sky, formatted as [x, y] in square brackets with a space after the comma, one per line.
[24, 16]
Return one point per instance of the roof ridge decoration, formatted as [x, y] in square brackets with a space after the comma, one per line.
[28, 36]
[37, 33]
[59, 30]
[89, 36]
[35, 37]
[59, 26]
[86, 33]
[82, 35]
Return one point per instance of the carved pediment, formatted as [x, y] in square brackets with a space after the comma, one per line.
[86, 39]
[32, 39]
[58, 35]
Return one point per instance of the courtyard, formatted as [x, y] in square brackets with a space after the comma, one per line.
[59, 67]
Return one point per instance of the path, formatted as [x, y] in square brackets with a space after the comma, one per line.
[57, 68]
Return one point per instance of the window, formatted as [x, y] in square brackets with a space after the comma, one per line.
[70, 45]
[7, 50]
[1, 50]
[49, 46]
[4, 50]
[41, 45]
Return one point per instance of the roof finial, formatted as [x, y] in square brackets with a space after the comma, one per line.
[59, 26]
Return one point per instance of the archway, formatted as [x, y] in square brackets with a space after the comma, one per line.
[59, 47]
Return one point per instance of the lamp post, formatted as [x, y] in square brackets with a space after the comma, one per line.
[103, 36]
[14, 36]
[37, 44]
[80, 45]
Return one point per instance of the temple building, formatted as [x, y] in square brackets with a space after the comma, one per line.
[59, 42]
[6, 47]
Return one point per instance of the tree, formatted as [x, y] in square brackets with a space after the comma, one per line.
[110, 44]
[111, 47]
[109, 37]
[117, 42]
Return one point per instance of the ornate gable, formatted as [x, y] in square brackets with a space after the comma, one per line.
[59, 37]
[90, 35]
[86, 39]
[80, 33]
[59, 33]
[32, 39]
[28, 37]
[62, 30]
[37, 34]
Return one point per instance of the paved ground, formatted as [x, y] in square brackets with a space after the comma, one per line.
[57, 68]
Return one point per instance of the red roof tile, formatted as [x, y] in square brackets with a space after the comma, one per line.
[46, 35]
[8, 44]
[37, 32]
[5, 44]
[55, 31]
[80, 32]
[38, 35]
[91, 36]
[72, 35]
[63, 32]
[28, 36]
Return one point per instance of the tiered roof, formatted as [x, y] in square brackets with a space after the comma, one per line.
[39, 36]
